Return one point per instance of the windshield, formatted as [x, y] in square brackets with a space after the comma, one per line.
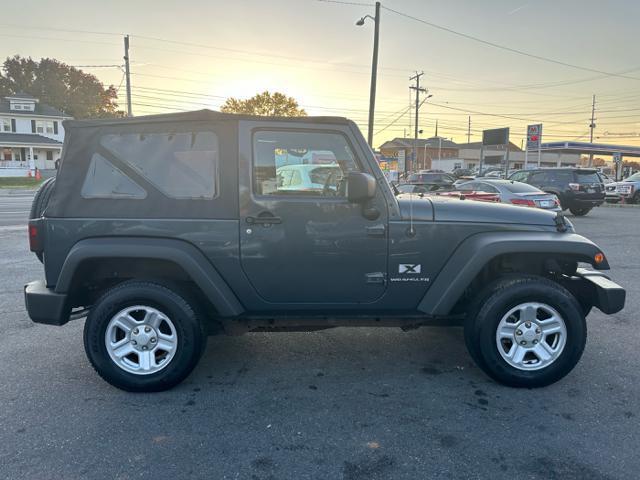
[519, 187]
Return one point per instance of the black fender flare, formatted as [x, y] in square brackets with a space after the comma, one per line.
[180, 252]
[476, 251]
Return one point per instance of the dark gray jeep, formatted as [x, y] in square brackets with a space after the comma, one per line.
[165, 229]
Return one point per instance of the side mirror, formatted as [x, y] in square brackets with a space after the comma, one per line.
[361, 187]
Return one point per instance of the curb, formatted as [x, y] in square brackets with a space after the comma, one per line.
[619, 205]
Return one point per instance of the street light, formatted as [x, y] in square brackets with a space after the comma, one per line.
[374, 69]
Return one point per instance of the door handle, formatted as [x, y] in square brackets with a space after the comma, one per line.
[376, 230]
[263, 220]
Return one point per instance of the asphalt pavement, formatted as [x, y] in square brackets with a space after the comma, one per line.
[353, 404]
[14, 208]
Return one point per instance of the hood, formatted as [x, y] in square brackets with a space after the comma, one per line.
[455, 210]
[415, 205]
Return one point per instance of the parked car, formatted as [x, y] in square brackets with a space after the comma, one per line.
[162, 230]
[311, 178]
[494, 174]
[479, 195]
[463, 172]
[432, 178]
[628, 189]
[514, 193]
[577, 189]
[421, 187]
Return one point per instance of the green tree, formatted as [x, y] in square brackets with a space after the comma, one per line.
[268, 104]
[66, 88]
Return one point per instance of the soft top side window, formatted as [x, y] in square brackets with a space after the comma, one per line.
[180, 165]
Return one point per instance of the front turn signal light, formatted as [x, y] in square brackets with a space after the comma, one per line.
[598, 257]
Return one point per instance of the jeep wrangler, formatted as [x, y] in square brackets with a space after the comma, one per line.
[165, 229]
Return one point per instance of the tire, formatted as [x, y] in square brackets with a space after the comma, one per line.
[540, 296]
[579, 212]
[636, 198]
[41, 198]
[40, 202]
[172, 322]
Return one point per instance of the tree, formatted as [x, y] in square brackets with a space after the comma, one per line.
[265, 103]
[66, 88]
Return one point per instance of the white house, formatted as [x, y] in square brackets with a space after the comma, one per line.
[31, 135]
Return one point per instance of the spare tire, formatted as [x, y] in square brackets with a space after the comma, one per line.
[41, 198]
[40, 202]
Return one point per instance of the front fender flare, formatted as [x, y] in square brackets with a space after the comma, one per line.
[182, 253]
[476, 251]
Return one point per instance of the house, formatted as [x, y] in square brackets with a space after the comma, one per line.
[428, 150]
[31, 135]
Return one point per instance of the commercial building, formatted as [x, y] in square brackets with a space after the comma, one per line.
[439, 153]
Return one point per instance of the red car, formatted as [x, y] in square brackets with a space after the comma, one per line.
[472, 195]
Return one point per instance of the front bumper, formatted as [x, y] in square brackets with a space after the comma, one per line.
[45, 305]
[604, 294]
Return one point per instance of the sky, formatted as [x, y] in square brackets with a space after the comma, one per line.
[194, 54]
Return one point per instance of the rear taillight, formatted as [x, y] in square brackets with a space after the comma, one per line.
[35, 236]
[523, 202]
[574, 186]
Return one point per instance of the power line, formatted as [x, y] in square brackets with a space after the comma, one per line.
[508, 49]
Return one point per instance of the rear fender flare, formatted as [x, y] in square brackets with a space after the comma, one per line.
[182, 253]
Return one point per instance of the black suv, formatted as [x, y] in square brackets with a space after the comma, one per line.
[578, 189]
[162, 230]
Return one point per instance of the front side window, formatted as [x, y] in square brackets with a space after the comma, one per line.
[301, 163]
[5, 125]
[180, 165]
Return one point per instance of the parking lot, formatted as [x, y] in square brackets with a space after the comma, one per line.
[336, 404]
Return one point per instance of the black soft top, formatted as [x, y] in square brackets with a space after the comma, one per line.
[196, 116]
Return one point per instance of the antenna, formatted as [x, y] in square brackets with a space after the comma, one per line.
[411, 232]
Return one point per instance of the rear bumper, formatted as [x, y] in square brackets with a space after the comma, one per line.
[585, 203]
[44, 305]
[604, 294]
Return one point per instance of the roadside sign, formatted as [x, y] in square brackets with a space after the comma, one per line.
[617, 157]
[534, 136]
[496, 136]
[401, 161]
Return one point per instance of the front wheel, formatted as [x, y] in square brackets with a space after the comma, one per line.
[529, 332]
[143, 337]
[579, 212]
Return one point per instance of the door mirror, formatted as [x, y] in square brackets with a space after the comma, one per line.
[361, 187]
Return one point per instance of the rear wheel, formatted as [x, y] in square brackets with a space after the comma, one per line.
[579, 212]
[143, 337]
[529, 332]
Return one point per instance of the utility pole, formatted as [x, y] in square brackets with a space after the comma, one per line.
[417, 88]
[469, 131]
[436, 127]
[374, 69]
[592, 126]
[374, 74]
[127, 73]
